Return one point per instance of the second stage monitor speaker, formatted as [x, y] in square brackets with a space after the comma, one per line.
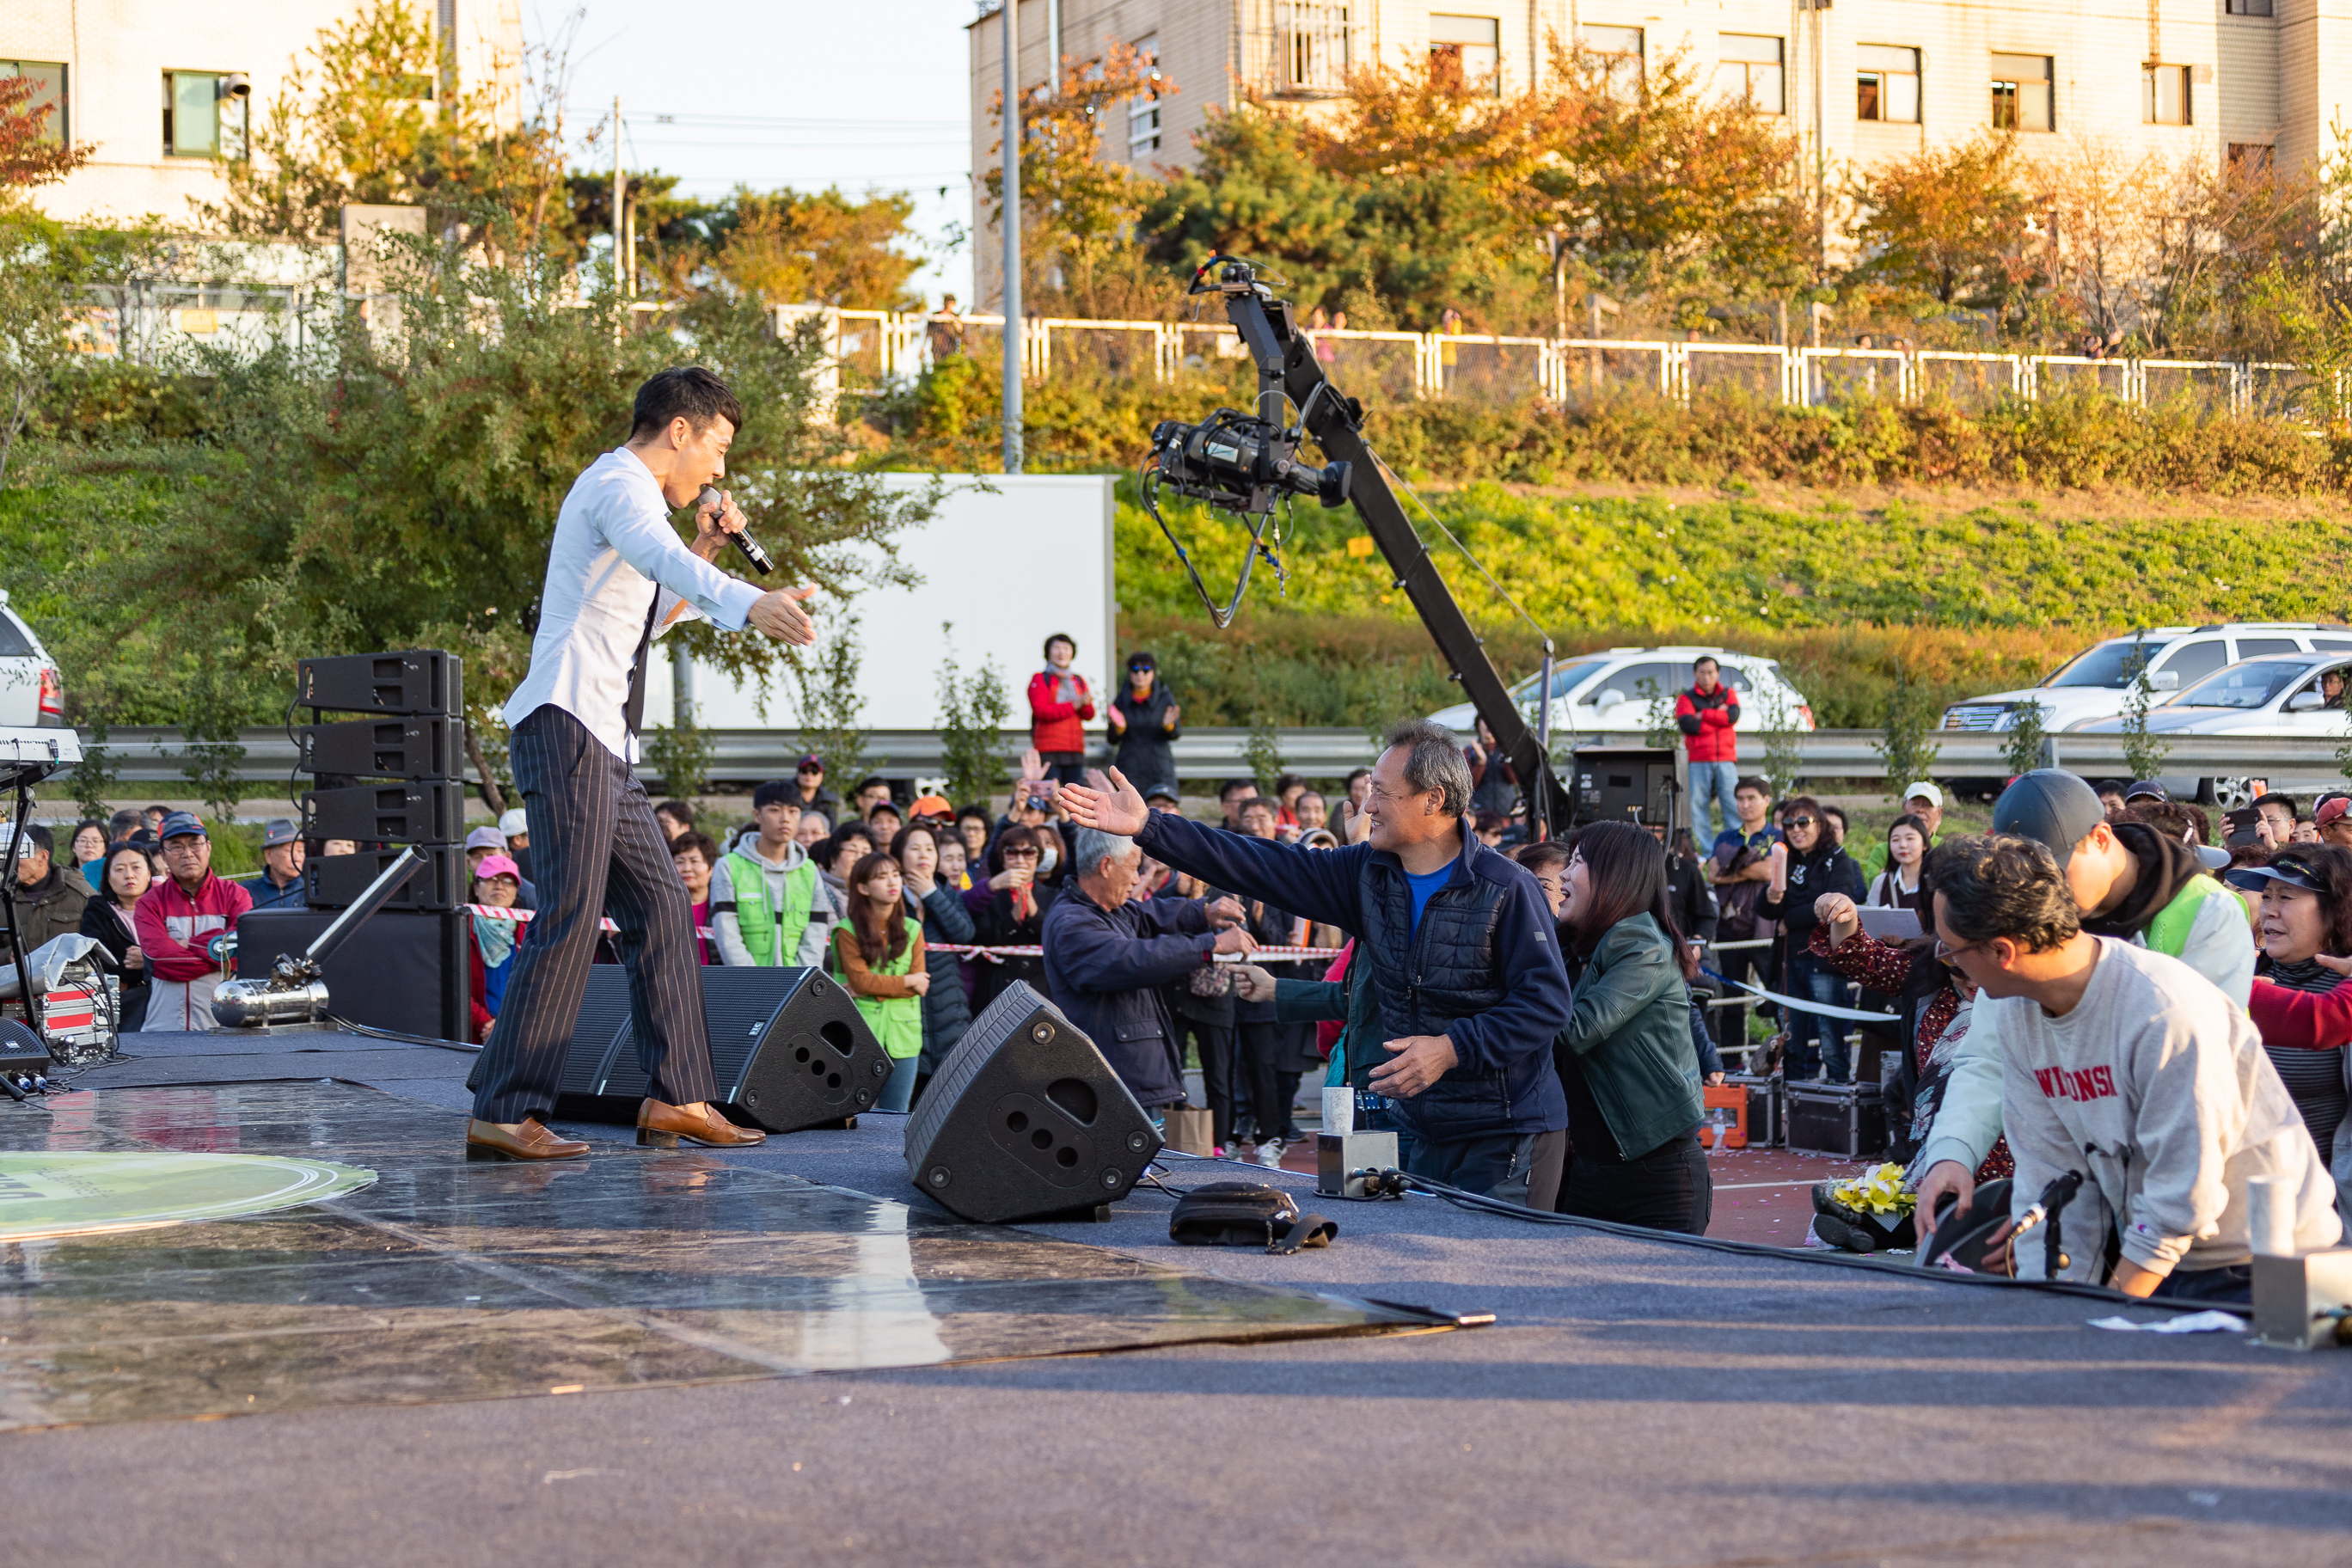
[787, 1047]
[1027, 1119]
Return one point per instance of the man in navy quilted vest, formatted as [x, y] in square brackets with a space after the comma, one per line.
[1465, 958]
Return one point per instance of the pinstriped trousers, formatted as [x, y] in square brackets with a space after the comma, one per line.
[597, 850]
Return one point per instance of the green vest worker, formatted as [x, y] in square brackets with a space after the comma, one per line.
[2131, 883]
[768, 907]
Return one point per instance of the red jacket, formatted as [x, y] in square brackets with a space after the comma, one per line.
[1056, 726]
[2307, 1020]
[1705, 720]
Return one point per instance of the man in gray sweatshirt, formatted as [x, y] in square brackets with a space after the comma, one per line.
[2127, 1066]
[768, 906]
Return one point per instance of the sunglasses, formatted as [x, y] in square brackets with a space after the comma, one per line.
[1801, 822]
[1021, 854]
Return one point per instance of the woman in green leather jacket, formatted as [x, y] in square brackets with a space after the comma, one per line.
[1625, 1058]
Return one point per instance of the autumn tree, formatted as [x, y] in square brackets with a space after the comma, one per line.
[32, 151]
[1951, 224]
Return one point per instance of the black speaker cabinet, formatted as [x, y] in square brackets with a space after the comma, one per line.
[384, 748]
[1027, 1119]
[401, 969]
[411, 811]
[787, 1047]
[336, 882]
[418, 680]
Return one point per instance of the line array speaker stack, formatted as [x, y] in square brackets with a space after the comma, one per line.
[393, 777]
[1027, 1119]
[787, 1047]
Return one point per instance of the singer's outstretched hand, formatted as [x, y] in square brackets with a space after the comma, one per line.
[1118, 809]
[783, 614]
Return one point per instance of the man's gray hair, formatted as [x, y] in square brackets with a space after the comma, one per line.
[1435, 762]
[1093, 846]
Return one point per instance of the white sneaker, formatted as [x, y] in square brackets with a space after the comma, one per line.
[1269, 1153]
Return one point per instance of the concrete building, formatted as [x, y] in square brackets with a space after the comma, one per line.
[2218, 79]
[163, 92]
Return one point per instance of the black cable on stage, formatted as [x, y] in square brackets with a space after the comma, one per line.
[375, 1034]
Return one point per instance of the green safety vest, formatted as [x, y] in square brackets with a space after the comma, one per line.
[2168, 933]
[897, 1021]
[761, 926]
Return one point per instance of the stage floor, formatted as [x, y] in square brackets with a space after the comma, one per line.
[1639, 1400]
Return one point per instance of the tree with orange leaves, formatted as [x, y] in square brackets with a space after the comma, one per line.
[31, 152]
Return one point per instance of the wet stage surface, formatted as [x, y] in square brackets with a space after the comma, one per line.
[445, 1279]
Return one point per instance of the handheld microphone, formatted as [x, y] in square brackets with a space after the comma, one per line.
[743, 542]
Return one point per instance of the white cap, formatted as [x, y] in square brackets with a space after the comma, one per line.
[513, 822]
[1935, 796]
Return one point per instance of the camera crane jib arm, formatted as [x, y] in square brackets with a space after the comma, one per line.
[1231, 464]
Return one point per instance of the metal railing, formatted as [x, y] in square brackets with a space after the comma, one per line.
[874, 346]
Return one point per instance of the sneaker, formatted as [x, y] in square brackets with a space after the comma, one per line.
[1269, 1153]
[1294, 1133]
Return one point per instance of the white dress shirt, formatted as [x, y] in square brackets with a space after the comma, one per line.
[614, 551]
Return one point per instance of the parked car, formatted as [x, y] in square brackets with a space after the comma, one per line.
[1594, 692]
[2278, 697]
[31, 694]
[2094, 683]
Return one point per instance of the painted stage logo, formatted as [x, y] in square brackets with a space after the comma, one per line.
[46, 1192]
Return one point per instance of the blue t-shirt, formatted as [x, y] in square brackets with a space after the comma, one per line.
[1424, 886]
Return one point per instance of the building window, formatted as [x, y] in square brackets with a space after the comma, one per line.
[2021, 92]
[48, 94]
[1311, 54]
[1749, 71]
[1618, 51]
[2164, 95]
[1886, 84]
[1143, 113]
[203, 114]
[2246, 7]
[1467, 52]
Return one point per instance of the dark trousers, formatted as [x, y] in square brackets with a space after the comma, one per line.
[1516, 1167]
[1732, 1023]
[598, 851]
[1815, 983]
[1065, 767]
[1266, 1050]
[1215, 1042]
[1666, 1189]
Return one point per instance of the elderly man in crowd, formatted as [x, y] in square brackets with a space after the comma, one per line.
[1108, 953]
[1469, 1007]
[176, 921]
[48, 899]
[279, 884]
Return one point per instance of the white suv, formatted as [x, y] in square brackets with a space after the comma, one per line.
[2094, 683]
[31, 693]
[1592, 692]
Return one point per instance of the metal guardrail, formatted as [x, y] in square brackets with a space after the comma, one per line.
[145, 756]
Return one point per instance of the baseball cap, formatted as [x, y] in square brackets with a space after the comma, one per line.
[180, 825]
[487, 838]
[279, 830]
[1161, 792]
[2330, 809]
[932, 806]
[2051, 806]
[1935, 796]
[811, 760]
[514, 822]
[498, 866]
[2144, 789]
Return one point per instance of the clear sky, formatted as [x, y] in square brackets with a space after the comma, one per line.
[868, 95]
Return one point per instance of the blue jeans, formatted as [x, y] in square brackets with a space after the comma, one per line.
[1711, 782]
[1811, 1036]
[899, 1088]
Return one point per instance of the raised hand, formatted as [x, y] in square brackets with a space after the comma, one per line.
[1033, 766]
[1119, 810]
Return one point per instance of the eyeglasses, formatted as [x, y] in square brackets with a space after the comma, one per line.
[1801, 822]
[1946, 953]
[1021, 854]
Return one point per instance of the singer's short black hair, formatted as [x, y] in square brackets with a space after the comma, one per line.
[689, 391]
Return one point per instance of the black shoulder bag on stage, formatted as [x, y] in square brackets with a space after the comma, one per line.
[1247, 1213]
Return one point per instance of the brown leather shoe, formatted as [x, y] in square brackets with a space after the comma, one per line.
[660, 1126]
[525, 1140]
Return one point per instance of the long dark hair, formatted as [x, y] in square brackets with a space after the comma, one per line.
[879, 937]
[1625, 873]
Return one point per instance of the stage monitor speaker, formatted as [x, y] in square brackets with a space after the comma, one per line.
[401, 969]
[1027, 1119]
[412, 811]
[384, 748]
[336, 882]
[416, 680]
[788, 1048]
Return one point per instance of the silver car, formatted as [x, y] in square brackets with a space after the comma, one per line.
[2284, 696]
[1595, 692]
[32, 694]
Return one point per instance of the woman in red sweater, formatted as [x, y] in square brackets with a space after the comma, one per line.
[1060, 703]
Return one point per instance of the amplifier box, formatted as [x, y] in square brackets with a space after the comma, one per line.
[401, 969]
[410, 748]
[419, 681]
[1764, 1128]
[336, 882]
[410, 812]
[1842, 1119]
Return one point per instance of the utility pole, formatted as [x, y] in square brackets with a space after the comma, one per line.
[1012, 221]
[620, 195]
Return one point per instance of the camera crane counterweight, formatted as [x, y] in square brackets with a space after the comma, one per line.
[1245, 463]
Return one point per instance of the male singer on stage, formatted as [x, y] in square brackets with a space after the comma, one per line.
[616, 575]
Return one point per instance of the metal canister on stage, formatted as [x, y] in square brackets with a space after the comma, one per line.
[266, 1003]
